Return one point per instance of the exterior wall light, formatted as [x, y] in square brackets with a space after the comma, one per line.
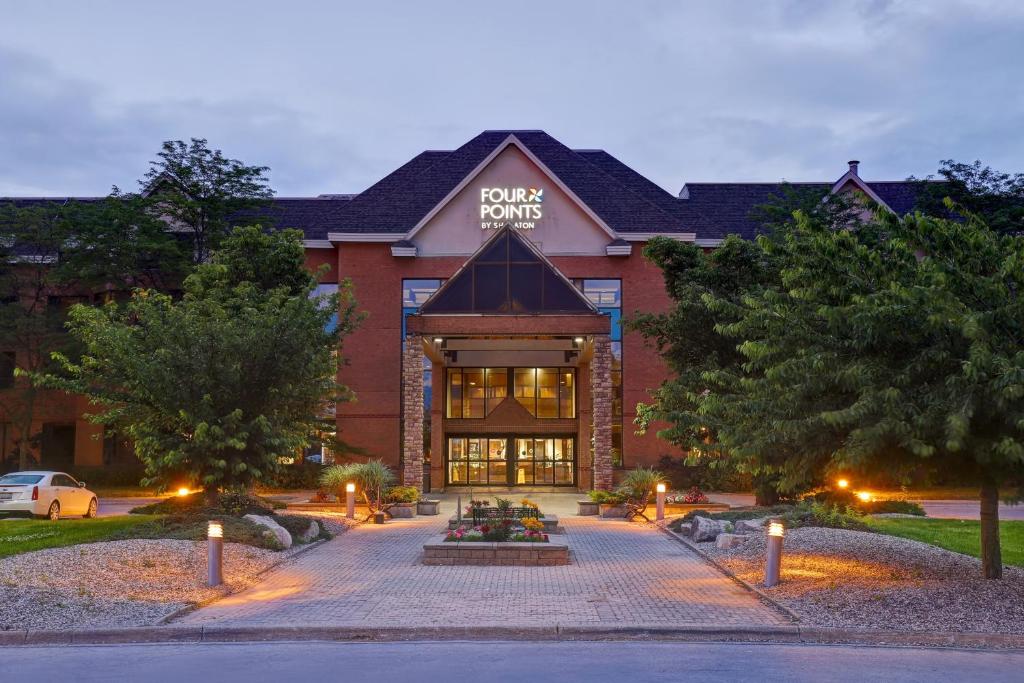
[660, 491]
[438, 340]
[842, 483]
[350, 500]
[578, 340]
[215, 553]
[773, 560]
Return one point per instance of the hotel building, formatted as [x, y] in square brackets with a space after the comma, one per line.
[495, 278]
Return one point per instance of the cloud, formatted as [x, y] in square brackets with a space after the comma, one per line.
[60, 136]
[333, 98]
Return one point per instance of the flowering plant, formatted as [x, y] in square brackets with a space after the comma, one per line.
[532, 524]
[529, 536]
[464, 534]
[691, 497]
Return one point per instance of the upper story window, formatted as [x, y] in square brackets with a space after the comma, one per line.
[606, 294]
[475, 392]
[414, 293]
[327, 289]
[7, 365]
[544, 392]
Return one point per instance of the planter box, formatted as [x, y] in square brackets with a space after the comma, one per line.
[550, 523]
[402, 510]
[551, 554]
[428, 507]
[613, 511]
[587, 507]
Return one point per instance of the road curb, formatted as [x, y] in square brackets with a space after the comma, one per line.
[793, 634]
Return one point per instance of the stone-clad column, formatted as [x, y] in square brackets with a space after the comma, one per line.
[412, 411]
[601, 396]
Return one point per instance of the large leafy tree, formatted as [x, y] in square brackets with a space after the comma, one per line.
[995, 196]
[51, 255]
[688, 339]
[892, 345]
[688, 336]
[219, 385]
[200, 192]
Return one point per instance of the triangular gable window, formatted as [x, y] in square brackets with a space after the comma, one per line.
[507, 275]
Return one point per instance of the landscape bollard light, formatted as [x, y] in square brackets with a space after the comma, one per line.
[350, 500]
[660, 489]
[773, 561]
[215, 553]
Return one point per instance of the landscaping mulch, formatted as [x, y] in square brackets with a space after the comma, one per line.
[856, 579]
[135, 582]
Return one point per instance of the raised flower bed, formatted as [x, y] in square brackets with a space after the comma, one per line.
[501, 542]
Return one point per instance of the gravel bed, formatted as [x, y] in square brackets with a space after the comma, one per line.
[124, 583]
[855, 579]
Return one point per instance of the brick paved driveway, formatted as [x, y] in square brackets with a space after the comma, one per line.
[622, 574]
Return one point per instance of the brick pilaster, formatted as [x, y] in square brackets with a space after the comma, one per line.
[412, 411]
[601, 396]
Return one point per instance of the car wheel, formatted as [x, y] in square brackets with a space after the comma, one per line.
[91, 512]
[53, 514]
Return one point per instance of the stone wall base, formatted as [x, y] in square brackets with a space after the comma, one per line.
[550, 554]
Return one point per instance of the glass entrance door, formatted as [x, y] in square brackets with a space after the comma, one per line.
[544, 462]
[511, 461]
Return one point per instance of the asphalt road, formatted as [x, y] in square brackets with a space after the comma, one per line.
[454, 662]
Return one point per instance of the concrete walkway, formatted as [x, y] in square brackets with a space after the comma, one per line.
[622, 574]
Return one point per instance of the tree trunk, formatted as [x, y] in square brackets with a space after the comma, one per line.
[991, 554]
[765, 492]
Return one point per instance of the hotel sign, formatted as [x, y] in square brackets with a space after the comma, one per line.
[519, 206]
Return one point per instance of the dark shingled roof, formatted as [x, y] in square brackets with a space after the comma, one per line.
[625, 200]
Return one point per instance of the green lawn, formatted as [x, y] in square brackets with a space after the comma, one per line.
[959, 535]
[25, 535]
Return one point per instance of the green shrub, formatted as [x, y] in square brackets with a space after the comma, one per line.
[403, 494]
[192, 526]
[901, 507]
[372, 480]
[304, 475]
[231, 504]
[824, 515]
[607, 497]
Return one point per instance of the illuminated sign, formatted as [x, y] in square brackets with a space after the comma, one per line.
[519, 206]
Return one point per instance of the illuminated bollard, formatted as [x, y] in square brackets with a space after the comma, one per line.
[350, 500]
[773, 560]
[215, 553]
[660, 489]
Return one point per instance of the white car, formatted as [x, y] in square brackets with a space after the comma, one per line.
[46, 494]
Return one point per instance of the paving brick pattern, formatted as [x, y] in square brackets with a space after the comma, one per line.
[621, 574]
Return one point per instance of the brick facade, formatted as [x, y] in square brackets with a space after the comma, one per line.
[412, 410]
[601, 398]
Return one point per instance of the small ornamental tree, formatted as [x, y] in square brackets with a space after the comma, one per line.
[896, 344]
[216, 387]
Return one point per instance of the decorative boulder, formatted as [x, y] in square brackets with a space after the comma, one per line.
[685, 529]
[751, 526]
[705, 529]
[730, 541]
[310, 534]
[279, 532]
